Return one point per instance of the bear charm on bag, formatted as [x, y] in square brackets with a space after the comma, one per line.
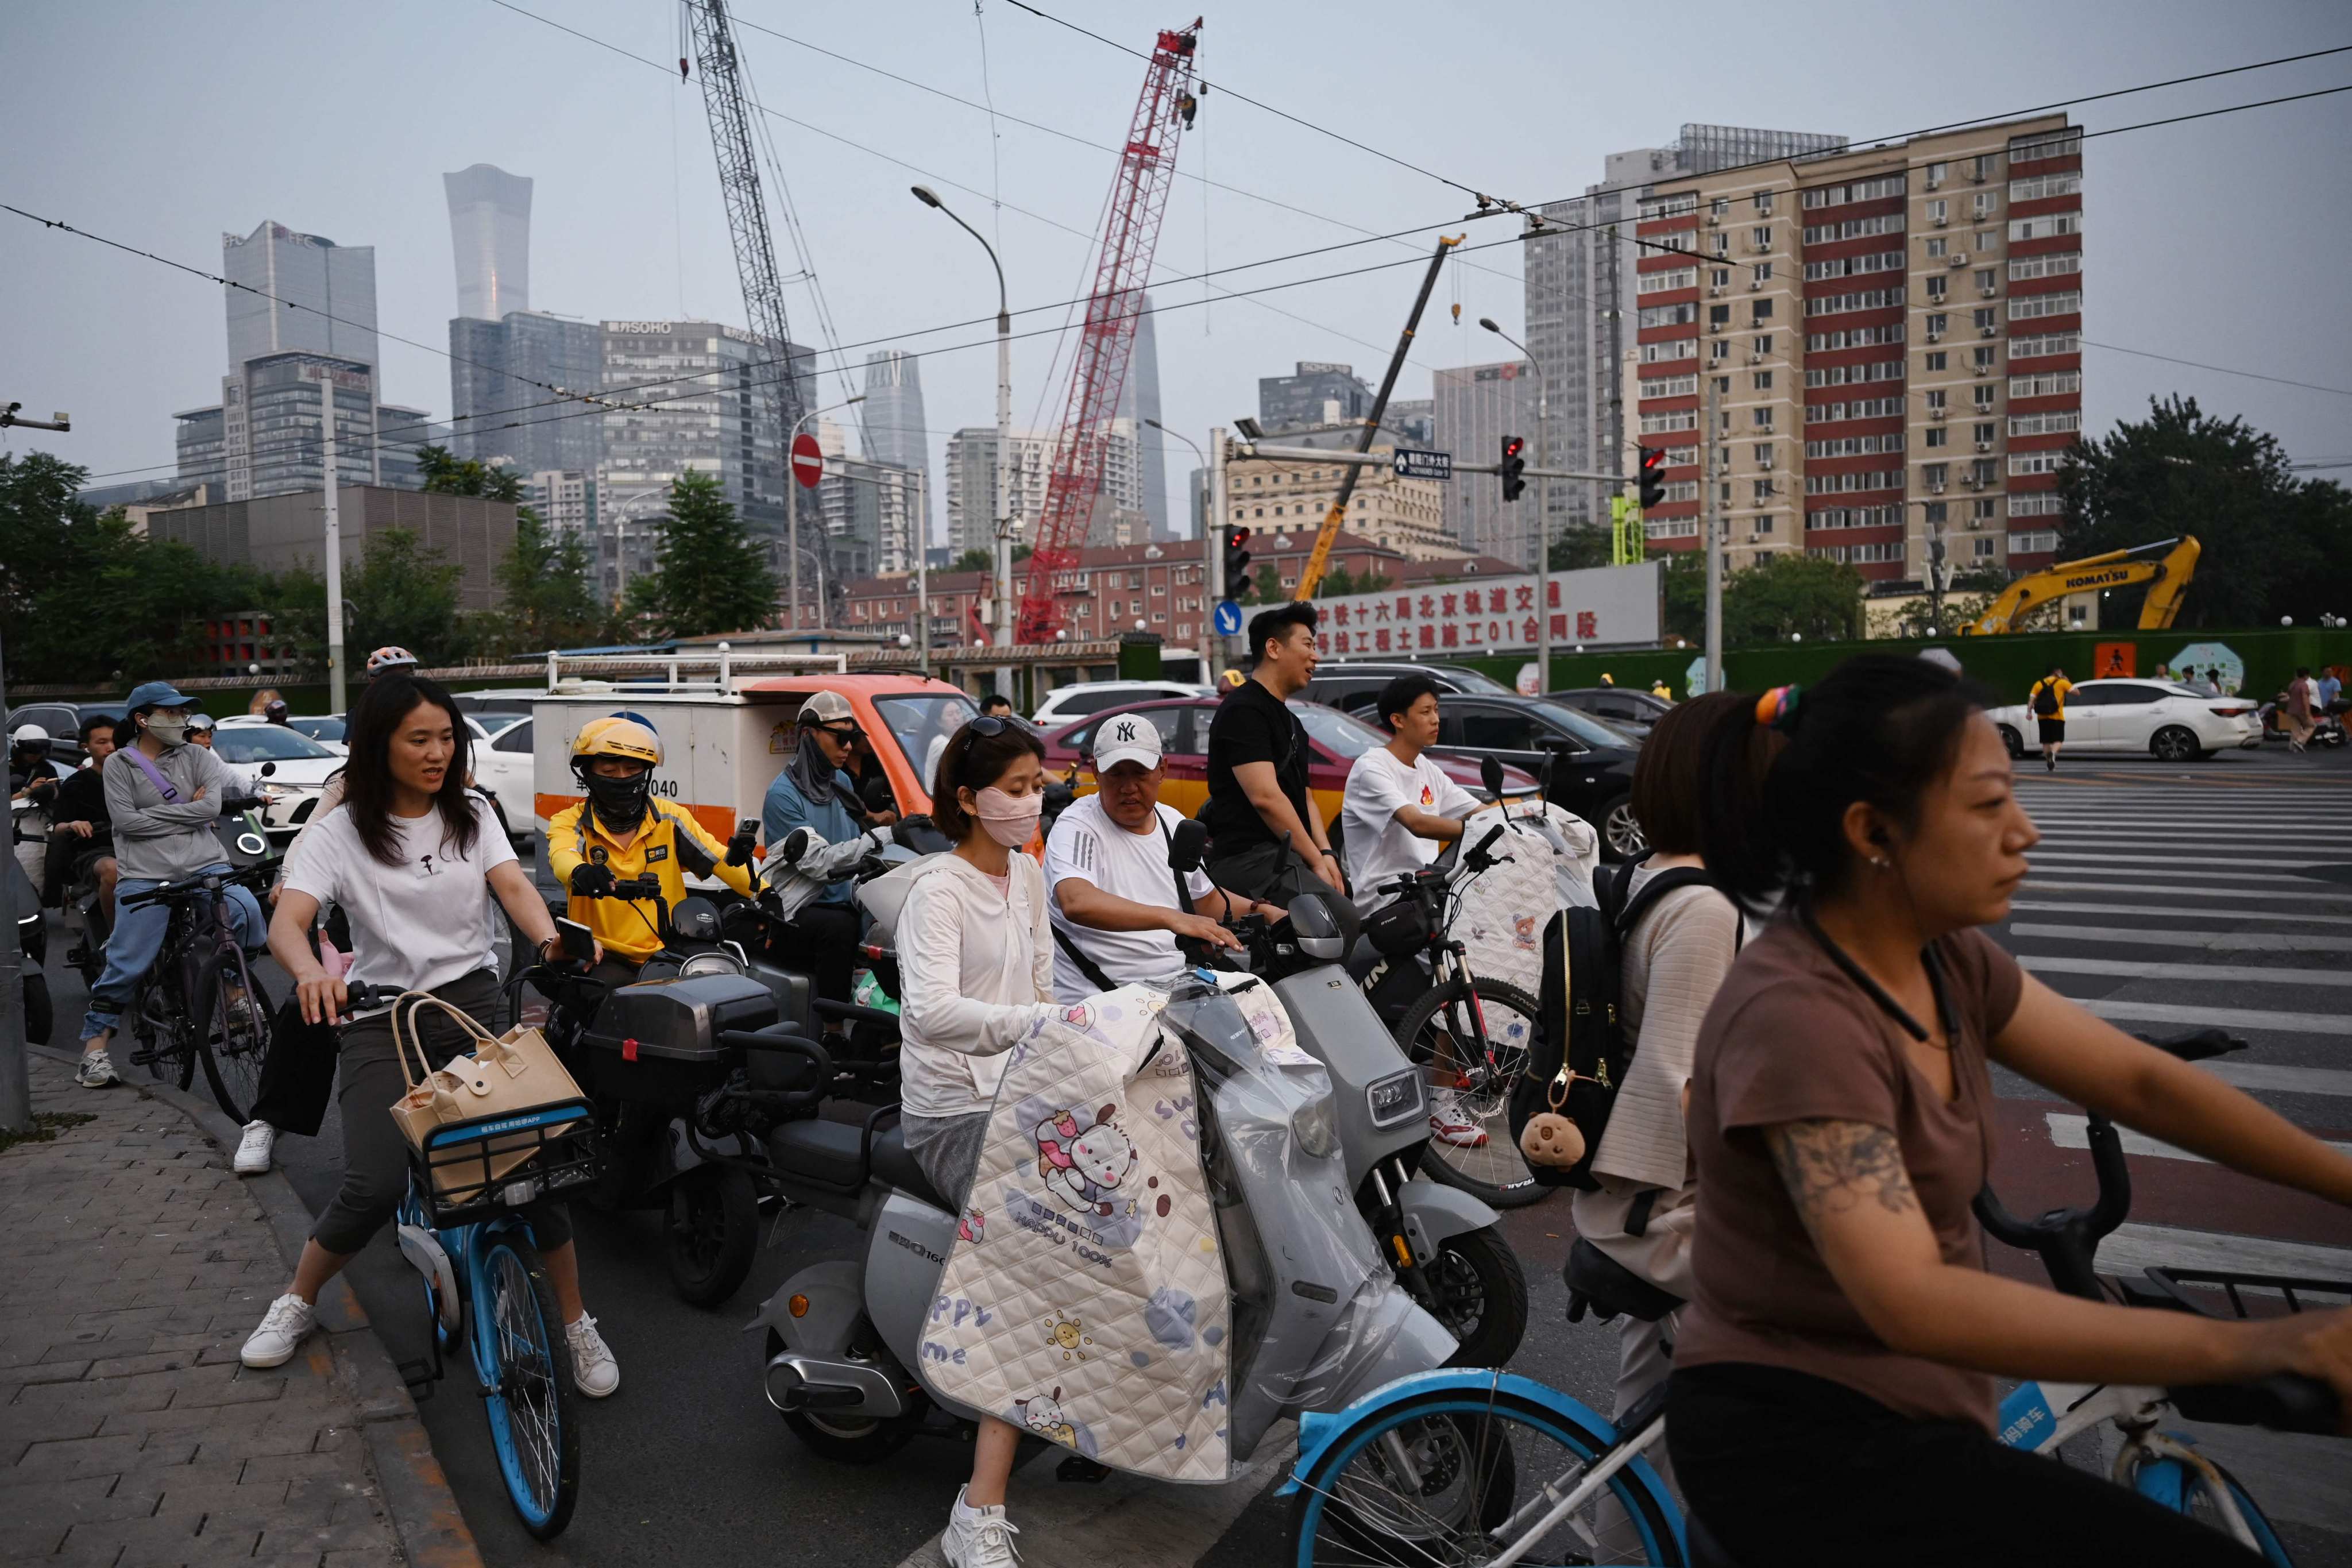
[1550, 1137]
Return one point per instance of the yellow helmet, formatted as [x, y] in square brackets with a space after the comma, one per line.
[616, 737]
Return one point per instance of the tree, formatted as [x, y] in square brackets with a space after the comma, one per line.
[450, 476]
[1787, 592]
[713, 576]
[1338, 582]
[1267, 588]
[1685, 595]
[972, 561]
[549, 598]
[1580, 546]
[2273, 544]
[1971, 596]
[405, 593]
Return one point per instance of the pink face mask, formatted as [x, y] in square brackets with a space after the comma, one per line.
[1008, 820]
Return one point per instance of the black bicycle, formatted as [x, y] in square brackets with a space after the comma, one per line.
[200, 1004]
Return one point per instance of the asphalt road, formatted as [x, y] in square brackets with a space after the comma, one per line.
[688, 1463]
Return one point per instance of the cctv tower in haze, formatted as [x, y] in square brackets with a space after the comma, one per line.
[490, 225]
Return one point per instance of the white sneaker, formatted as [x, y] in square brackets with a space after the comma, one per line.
[290, 1317]
[1449, 1123]
[594, 1372]
[977, 1537]
[252, 1149]
[95, 1071]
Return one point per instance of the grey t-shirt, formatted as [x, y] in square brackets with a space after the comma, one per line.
[157, 839]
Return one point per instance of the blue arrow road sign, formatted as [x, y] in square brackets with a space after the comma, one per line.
[1410, 465]
[1228, 617]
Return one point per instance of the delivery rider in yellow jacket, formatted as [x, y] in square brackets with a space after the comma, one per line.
[614, 759]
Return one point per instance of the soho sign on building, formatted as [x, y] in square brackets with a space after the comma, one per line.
[1607, 607]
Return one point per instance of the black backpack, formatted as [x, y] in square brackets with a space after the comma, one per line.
[1582, 974]
[2045, 701]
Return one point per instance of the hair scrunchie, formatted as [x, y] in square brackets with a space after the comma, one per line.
[1777, 709]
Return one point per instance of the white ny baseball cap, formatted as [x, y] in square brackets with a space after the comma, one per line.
[1125, 738]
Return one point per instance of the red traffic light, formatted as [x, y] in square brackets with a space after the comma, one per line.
[1513, 445]
[1652, 460]
[1237, 538]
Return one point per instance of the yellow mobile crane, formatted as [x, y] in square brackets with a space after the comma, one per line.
[2169, 577]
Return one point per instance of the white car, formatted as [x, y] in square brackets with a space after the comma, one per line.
[2160, 718]
[502, 765]
[298, 769]
[1081, 698]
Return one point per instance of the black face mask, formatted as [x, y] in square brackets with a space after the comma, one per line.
[620, 803]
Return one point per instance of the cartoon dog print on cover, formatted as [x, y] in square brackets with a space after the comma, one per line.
[1082, 1162]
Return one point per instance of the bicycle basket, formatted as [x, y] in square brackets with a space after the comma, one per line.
[468, 1170]
[1398, 928]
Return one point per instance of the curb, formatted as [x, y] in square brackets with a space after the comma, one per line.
[416, 1496]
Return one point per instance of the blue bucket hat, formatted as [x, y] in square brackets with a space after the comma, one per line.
[157, 694]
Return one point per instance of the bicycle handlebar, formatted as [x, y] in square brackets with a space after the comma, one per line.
[259, 871]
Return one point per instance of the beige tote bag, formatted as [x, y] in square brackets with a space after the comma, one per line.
[518, 1071]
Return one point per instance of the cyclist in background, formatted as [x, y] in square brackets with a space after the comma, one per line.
[621, 831]
[83, 828]
[1399, 808]
[162, 796]
[408, 858]
[1832, 1396]
[815, 793]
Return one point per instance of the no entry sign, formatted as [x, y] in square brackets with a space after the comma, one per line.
[808, 461]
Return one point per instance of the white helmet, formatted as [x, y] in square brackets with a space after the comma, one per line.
[30, 735]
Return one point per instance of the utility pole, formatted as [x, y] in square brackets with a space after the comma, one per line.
[922, 570]
[1007, 515]
[1543, 511]
[1213, 551]
[1710, 539]
[337, 672]
[16, 1087]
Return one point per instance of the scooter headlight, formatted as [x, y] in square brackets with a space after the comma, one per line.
[1315, 1126]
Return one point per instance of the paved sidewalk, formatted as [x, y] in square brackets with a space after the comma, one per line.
[135, 1264]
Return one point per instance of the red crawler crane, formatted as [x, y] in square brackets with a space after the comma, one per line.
[1098, 375]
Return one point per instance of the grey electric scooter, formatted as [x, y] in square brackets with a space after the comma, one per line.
[1443, 1244]
[1317, 1317]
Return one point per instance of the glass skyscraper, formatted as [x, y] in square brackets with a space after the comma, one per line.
[334, 285]
[893, 418]
[490, 227]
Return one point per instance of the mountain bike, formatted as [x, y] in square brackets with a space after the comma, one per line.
[200, 1004]
[1486, 1467]
[486, 1286]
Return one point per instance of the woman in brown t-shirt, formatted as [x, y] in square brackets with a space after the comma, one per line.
[1833, 1394]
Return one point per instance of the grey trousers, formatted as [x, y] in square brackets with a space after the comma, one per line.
[948, 1149]
[376, 1154]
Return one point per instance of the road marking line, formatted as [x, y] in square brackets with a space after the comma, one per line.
[2232, 1018]
[2072, 1132]
[2272, 1080]
[2253, 941]
[2314, 895]
[2134, 1248]
[2315, 886]
[2159, 859]
[2040, 907]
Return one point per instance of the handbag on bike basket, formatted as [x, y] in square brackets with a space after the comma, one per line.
[507, 1075]
[1578, 1061]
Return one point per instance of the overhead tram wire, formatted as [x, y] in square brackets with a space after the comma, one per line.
[2222, 369]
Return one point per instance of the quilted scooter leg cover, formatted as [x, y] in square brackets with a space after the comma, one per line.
[1502, 911]
[1084, 1298]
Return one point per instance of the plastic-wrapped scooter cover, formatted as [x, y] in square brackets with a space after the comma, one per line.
[1108, 1292]
[1501, 911]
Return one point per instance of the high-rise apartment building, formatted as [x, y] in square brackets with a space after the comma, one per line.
[330, 287]
[565, 500]
[865, 508]
[1893, 339]
[501, 411]
[896, 433]
[1476, 406]
[1139, 401]
[1579, 283]
[971, 486]
[489, 231]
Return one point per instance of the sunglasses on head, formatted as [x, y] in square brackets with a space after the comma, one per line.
[992, 724]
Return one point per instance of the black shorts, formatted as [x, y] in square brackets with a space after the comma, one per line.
[2053, 731]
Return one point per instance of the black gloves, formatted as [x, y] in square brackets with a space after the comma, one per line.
[916, 820]
[590, 880]
[739, 848]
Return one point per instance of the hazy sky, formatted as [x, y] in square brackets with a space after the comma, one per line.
[2223, 240]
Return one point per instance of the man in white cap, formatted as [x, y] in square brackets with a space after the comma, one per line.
[1115, 909]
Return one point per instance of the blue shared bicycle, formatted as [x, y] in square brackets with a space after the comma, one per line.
[487, 1286]
[1476, 1467]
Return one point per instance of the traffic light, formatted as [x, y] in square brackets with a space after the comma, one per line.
[1514, 465]
[1654, 476]
[1237, 560]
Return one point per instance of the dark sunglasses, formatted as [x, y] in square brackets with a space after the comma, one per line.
[992, 725]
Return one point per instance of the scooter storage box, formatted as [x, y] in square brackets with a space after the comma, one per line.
[657, 1041]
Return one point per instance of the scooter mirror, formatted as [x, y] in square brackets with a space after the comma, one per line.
[1186, 845]
[269, 770]
[1490, 773]
[1323, 927]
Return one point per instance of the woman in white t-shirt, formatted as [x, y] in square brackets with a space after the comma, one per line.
[406, 859]
[1400, 809]
[976, 970]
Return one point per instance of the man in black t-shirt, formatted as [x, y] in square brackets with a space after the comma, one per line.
[1257, 771]
[80, 825]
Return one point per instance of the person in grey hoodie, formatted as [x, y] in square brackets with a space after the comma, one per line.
[163, 796]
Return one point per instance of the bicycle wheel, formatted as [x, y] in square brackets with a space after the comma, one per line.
[1477, 1458]
[527, 1385]
[231, 1040]
[166, 1028]
[1439, 1033]
[2186, 1490]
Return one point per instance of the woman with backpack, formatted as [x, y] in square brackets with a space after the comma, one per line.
[1844, 1323]
[1677, 936]
[2048, 701]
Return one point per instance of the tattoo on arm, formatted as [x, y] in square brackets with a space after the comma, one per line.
[1834, 1167]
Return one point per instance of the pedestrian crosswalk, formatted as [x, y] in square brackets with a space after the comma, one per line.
[2218, 897]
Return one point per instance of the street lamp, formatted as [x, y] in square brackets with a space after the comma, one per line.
[1005, 525]
[1543, 517]
[793, 512]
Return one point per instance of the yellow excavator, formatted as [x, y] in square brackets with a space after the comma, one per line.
[2168, 576]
